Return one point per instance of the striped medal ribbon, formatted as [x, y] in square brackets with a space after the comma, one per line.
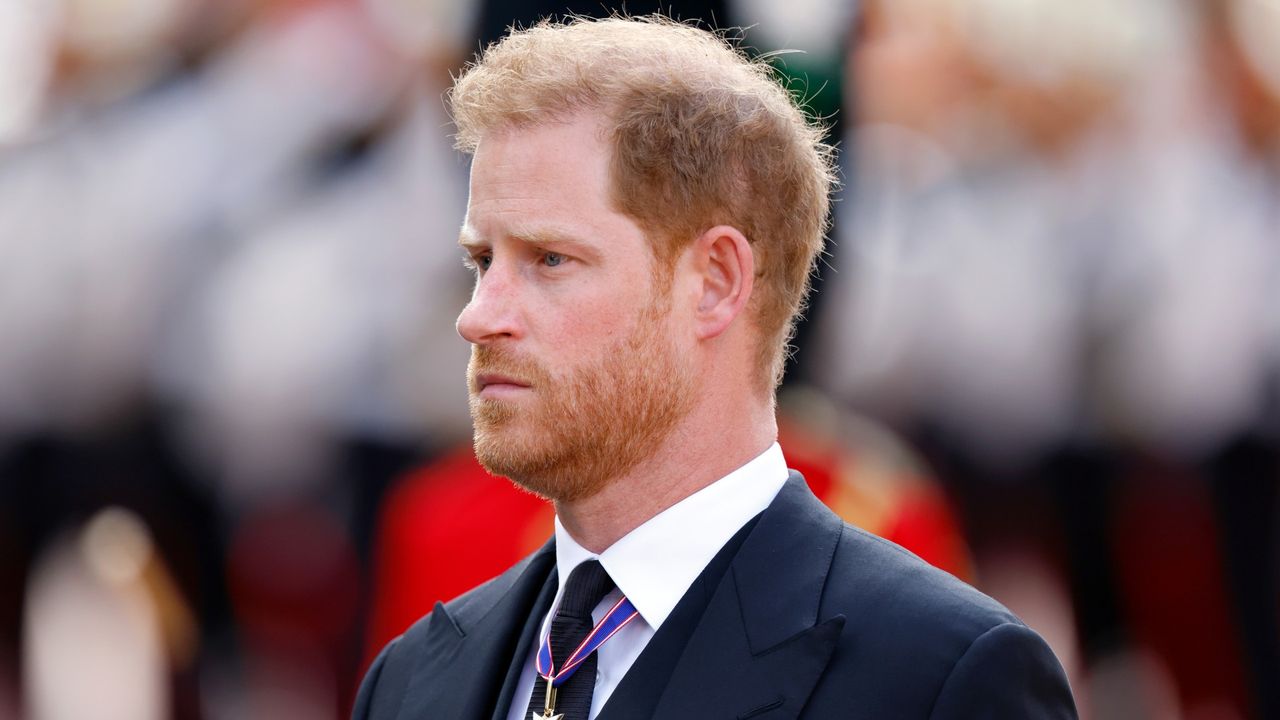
[622, 613]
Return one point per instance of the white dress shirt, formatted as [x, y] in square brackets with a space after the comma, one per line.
[655, 564]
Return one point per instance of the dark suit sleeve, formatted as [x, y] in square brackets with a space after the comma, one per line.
[368, 686]
[1008, 672]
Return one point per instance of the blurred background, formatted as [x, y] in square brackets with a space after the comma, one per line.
[1044, 352]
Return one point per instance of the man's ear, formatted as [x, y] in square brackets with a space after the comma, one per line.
[726, 269]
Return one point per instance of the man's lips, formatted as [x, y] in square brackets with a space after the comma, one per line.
[489, 384]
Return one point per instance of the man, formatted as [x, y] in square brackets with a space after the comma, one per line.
[646, 206]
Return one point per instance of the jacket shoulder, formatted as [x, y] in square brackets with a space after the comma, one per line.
[917, 640]
[874, 579]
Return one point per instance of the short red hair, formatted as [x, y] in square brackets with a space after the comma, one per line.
[701, 136]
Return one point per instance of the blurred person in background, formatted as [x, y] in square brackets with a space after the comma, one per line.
[619, 168]
[172, 358]
[1059, 280]
[980, 186]
[1188, 362]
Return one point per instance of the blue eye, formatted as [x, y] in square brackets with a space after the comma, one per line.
[479, 262]
[552, 259]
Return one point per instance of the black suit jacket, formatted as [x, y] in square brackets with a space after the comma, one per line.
[813, 618]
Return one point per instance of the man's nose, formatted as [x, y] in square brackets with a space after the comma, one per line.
[493, 311]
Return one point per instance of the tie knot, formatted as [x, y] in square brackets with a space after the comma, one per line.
[586, 587]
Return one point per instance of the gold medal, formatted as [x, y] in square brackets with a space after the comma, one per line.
[550, 712]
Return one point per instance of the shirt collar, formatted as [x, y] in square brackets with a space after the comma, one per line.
[655, 564]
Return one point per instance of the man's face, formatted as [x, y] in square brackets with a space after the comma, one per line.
[576, 370]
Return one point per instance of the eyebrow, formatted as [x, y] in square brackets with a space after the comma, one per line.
[468, 239]
[540, 237]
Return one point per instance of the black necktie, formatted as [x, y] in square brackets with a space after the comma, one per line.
[586, 587]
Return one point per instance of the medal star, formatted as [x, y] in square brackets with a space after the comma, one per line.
[546, 716]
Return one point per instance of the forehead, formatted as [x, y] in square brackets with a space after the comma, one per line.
[555, 172]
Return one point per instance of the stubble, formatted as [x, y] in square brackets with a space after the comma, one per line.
[585, 426]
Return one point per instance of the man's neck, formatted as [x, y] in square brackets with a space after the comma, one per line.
[699, 451]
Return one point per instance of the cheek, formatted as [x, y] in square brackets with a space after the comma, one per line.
[593, 331]
[582, 318]
[573, 333]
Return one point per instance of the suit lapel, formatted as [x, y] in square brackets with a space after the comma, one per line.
[470, 647]
[532, 625]
[759, 650]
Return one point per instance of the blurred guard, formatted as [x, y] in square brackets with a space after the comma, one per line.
[646, 206]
